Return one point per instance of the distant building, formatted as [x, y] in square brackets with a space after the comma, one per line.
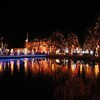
[37, 45]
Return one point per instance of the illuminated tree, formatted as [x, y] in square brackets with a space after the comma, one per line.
[3, 44]
[56, 40]
[72, 40]
[34, 45]
[38, 45]
[93, 38]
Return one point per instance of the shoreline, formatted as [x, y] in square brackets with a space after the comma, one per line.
[53, 56]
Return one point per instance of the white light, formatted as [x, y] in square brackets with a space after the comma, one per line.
[57, 51]
[98, 46]
[78, 51]
[25, 51]
[66, 50]
[18, 51]
[75, 51]
[57, 60]
[83, 52]
[86, 51]
[91, 52]
[28, 51]
[11, 52]
[67, 61]
[32, 51]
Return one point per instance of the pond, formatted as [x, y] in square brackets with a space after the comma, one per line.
[49, 79]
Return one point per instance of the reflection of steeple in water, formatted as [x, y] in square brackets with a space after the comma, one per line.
[18, 65]
[25, 66]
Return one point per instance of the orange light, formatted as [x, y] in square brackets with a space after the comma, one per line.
[81, 68]
[25, 66]
[12, 66]
[18, 65]
[1, 67]
[96, 70]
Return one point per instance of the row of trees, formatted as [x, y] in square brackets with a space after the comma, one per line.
[59, 41]
[91, 41]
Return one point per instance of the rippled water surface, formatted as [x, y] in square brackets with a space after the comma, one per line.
[40, 78]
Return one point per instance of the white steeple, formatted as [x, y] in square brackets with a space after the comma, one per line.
[27, 37]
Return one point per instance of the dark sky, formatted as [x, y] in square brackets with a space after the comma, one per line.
[44, 18]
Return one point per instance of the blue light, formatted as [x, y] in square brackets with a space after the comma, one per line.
[22, 56]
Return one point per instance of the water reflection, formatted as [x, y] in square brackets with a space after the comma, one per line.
[96, 69]
[81, 65]
[18, 65]
[51, 67]
[12, 66]
[26, 66]
[1, 68]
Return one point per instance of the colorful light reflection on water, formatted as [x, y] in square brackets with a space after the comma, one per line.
[52, 67]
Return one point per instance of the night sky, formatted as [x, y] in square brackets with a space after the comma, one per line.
[44, 18]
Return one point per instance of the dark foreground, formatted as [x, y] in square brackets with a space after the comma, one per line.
[37, 88]
[44, 88]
